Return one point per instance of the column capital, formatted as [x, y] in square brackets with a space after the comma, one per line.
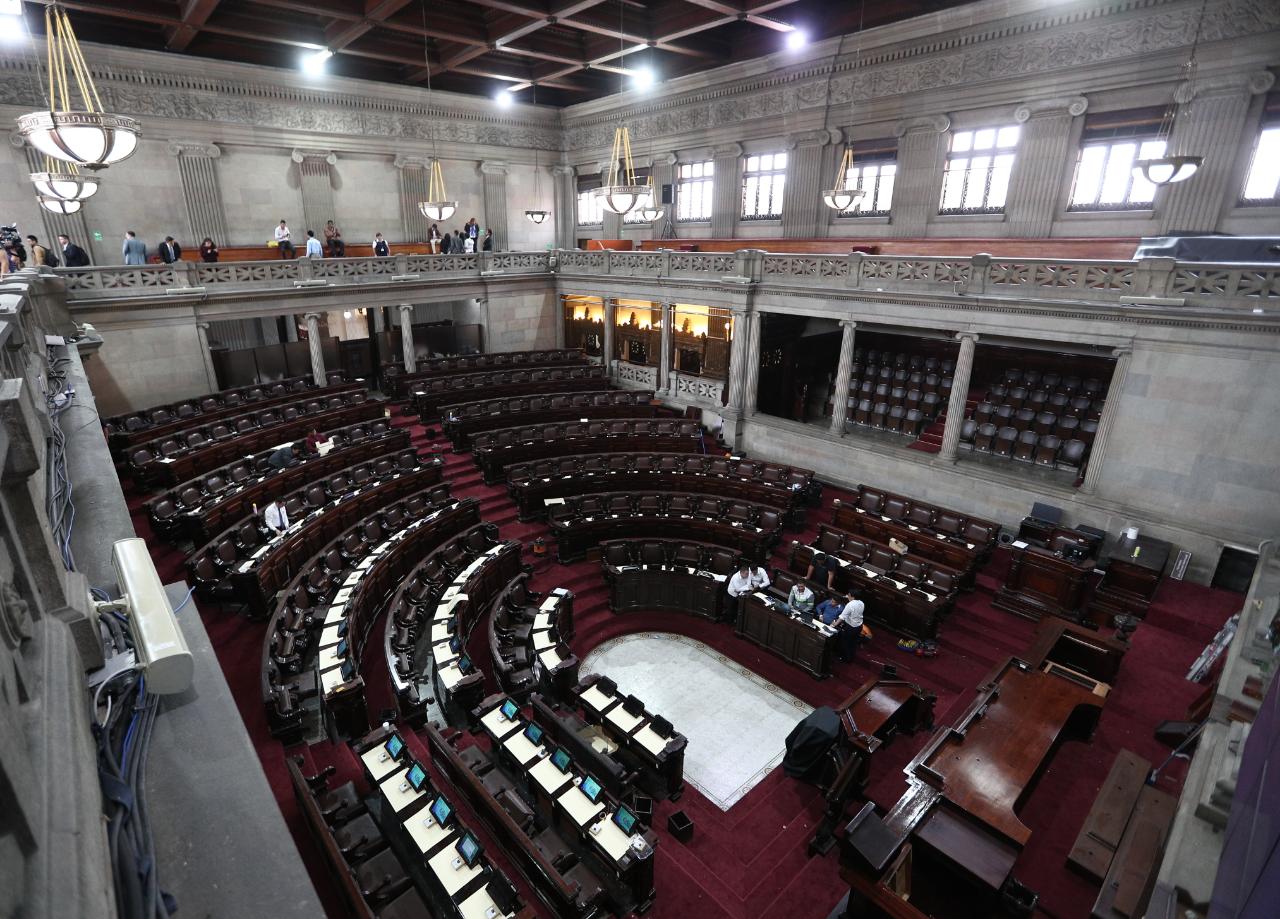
[300, 153]
[926, 124]
[972, 336]
[733, 148]
[665, 159]
[311, 317]
[563, 169]
[812, 139]
[194, 148]
[1068, 105]
[848, 323]
[1250, 84]
[410, 161]
[405, 307]
[492, 168]
[1122, 351]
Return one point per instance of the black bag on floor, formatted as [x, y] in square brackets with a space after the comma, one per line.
[808, 743]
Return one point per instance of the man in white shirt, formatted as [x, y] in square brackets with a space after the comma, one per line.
[746, 580]
[314, 249]
[276, 518]
[849, 628]
[283, 241]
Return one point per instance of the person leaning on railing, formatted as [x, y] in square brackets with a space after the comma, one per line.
[208, 251]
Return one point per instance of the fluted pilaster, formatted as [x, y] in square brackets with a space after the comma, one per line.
[494, 177]
[610, 318]
[1106, 421]
[959, 396]
[1210, 123]
[751, 372]
[200, 191]
[316, 348]
[726, 190]
[414, 179]
[317, 187]
[922, 150]
[1043, 157]
[406, 337]
[664, 369]
[840, 397]
[566, 206]
[802, 201]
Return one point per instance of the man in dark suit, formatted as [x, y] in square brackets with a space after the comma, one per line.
[170, 251]
[72, 255]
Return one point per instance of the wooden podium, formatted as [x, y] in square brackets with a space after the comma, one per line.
[1041, 583]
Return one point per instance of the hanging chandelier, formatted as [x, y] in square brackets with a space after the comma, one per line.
[1168, 169]
[87, 137]
[646, 209]
[621, 191]
[63, 206]
[842, 197]
[437, 207]
[536, 215]
[64, 184]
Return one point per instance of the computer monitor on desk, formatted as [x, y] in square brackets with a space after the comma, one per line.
[510, 710]
[416, 777]
[533, 733]
[469, 849]
[560, 759]
[394, 746]
[441, 812]
[591, 788]
[625, 820]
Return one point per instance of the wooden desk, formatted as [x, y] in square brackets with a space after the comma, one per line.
[682, 590]
[809, 646]
[1040, 584]
[1077, 647]
[1129, 582]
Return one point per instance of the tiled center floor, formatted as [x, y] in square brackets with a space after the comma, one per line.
[736, 721]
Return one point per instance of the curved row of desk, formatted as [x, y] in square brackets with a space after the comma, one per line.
[584, 521]
[959, 556]
[494, 451]
[528, 643]
[431, 397]
[534, 486]
[198, 508]
[921, 516]
[336, 611]
[171, 462]
[462, 423]
[403, 383]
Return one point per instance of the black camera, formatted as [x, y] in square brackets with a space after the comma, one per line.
[9, 236]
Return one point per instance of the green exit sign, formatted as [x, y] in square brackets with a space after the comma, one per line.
[97, 237]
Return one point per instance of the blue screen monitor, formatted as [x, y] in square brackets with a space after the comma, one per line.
[510, 710]
[348, 670]
[625, 820]
[342, 628]
[464, 663]
[394, 746]
[417, 777]
[591, 788]
[341, 650]
[454, 645]
[469, 849]
[441, 811]
[560, 759]
[533, 732]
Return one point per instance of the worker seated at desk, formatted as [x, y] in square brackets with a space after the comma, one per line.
[746, 580]
[801, 601]
[829, 609]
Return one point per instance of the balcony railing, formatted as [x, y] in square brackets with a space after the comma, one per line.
[1159, 281]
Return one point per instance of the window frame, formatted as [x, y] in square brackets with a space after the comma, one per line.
[1267, 127]
[993, 153]
[860, 163]
[774, 173]
[706, 184]
[588, 195]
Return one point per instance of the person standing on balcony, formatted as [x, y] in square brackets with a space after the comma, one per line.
[170, 251]
[487, 245]
[314, 249]
[72, 255]
[208, 251]
[473, 232]
[39, 254]
[446, 244]
[134, 249]
[283, 240]
[469, 245]
[433, 239]
[380, 247]
[333, 239]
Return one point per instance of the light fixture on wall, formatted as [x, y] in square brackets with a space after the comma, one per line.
[536, 215]
[841, 197]
[437, 207]
[1170, 168]
[621, 192]
[87, 136]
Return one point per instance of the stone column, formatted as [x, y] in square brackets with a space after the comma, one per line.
[726, 193]
[1044, 155]
[317, 188]
[741, 359]
[406, 337]
[494, 179]
[414, 182]
[1097, 453]
[1210, 123]
[565, 208]
[197, 170]
[840, 398]
[959, 395]
[802, 202]
[922, 151]
[317, 351]
[664, 369]
[210, 374]
[751, 372]
[606, 348]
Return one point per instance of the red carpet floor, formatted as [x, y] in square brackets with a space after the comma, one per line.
[750, 862]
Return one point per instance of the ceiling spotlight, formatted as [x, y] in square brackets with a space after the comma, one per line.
[643, 77]
[504, 98]
[314, 64]
[797, 39]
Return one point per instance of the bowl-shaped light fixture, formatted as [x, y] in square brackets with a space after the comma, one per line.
[537, 216]
[437, 206]
[58, 205]
[69, 186]
[93, 140]
[1166, 170]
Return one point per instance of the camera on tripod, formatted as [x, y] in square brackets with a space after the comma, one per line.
[9, 236]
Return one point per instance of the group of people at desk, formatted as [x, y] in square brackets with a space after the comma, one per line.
[841, 613]
[454, 856]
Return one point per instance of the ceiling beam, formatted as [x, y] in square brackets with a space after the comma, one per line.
[340, 33]
[194, 13]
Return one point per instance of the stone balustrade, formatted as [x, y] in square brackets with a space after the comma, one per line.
[1158, 281]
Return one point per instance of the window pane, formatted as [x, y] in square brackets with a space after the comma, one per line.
[962, 142]
[766, 161]
[1000, 180]
[953, 186]
[779, 161]
[1115, 182]
[984, 139]
[1264, 172]
[1089, 175]
[884, 199]
[779, 184]
[708, 168]
[1142, 191]
[976, 188]
[753, 163]
[1008, 137]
